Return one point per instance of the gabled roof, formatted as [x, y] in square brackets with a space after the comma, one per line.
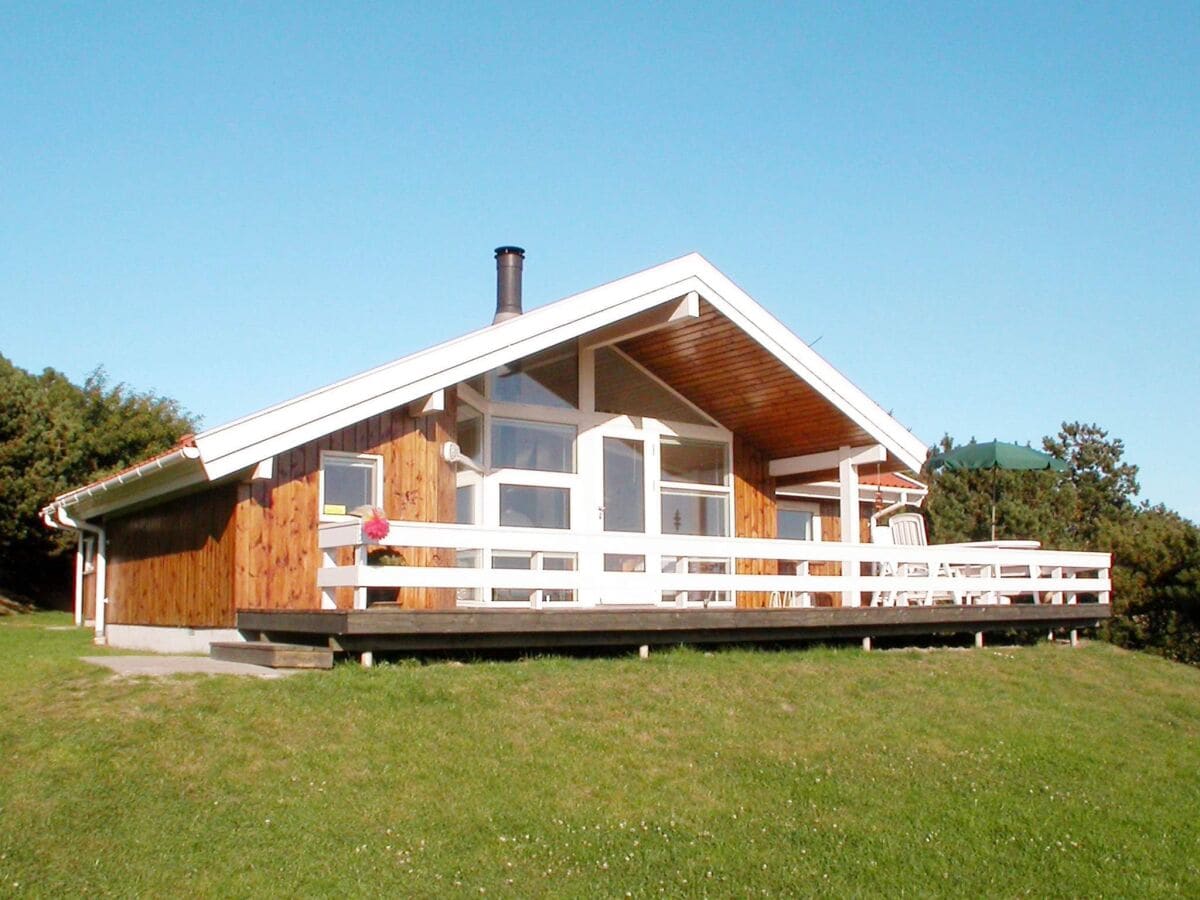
[227, 449]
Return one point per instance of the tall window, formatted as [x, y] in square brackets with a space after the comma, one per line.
[349, 481]
[695, 487]
[624, 485]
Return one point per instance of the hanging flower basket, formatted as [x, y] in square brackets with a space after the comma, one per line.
[375, 526]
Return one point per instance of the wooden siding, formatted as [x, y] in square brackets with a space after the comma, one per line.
[830, 513]
[729, 375]
[172, 564]
[277, 557]
[754, 512]
[89, 597]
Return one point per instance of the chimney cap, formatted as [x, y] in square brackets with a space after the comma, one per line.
[502, 251]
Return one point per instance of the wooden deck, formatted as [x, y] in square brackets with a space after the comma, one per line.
[392, 629]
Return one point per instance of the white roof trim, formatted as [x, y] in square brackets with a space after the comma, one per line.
[772, 334]
[242, 443]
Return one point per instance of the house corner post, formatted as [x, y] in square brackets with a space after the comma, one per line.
[848, 514]
[101, 586]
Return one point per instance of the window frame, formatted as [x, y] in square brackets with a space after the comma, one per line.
[696, 488]
[809, 506]
[498, 421]
[376, 461]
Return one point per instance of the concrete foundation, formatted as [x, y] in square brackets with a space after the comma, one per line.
[158, 639]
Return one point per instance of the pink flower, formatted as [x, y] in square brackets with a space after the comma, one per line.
[375, 527]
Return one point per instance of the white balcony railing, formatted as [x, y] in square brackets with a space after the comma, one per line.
[875, 574]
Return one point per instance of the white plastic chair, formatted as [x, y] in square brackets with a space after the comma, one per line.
[908, 530]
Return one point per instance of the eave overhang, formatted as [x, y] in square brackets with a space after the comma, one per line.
[734, 359]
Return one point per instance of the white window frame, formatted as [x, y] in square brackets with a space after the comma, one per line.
[377, 487]
[586, 482]
[808, 506]
[494, 420]
[725, 489]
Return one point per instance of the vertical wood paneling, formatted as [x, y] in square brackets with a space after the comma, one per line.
[280, 517]
[173, 564]
[89, 597]
[831, 530]
[754, 512]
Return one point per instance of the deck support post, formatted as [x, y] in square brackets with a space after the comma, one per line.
[1074, 637]
[867, 644]
[367, 659]
[979, 639]
[644, 651]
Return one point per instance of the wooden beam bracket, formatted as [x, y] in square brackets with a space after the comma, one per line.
[827, 460]
[683, 309]
[428, 405]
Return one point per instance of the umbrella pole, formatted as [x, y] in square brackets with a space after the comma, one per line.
[994, 503]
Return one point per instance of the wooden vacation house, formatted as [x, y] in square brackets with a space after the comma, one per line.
[657, 458]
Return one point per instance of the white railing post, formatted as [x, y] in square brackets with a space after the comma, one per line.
[360, 563]
[849, 510]
[328, 594]
[537, 597]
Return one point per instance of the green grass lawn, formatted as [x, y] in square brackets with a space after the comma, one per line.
[1004, 771]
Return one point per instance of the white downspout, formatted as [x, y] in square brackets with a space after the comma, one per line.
[79, 578]
[65, 522]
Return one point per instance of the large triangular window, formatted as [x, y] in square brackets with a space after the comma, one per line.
[623, 388]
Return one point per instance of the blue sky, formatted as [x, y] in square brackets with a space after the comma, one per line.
[989, 217]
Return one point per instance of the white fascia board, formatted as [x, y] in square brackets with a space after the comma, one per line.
[169, 471]
[772, 334]
[176, 478]
[244, 443]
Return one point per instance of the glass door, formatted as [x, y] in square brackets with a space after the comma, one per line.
[615, 472]
[624, 485]
[624, 510]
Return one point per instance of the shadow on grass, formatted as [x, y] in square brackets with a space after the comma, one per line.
[1010, 638]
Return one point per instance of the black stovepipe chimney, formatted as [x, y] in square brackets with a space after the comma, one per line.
[509, 263]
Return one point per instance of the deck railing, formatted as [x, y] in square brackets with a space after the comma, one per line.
[692, 571]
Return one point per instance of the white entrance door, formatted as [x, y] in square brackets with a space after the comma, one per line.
[620, 459]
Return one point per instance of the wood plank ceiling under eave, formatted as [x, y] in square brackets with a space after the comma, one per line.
[733, 378]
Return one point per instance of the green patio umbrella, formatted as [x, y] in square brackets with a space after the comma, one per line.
[995, 455]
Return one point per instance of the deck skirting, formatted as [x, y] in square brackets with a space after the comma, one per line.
[393, 629]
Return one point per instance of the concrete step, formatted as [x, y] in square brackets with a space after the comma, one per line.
[275, 656]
